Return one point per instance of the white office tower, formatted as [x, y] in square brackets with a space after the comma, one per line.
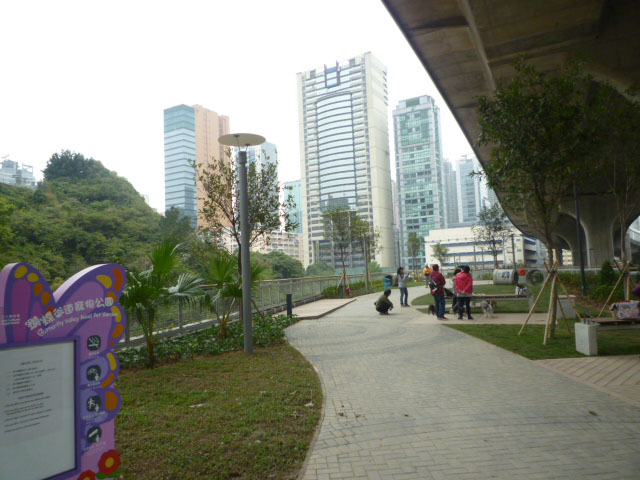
[344, 153]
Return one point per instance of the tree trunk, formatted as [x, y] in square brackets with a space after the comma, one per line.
[553, 305]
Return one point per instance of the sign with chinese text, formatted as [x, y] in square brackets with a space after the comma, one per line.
[57, 369]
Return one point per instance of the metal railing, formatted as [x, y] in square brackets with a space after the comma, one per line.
[270, 296]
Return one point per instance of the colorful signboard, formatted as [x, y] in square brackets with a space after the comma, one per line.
[57, 370]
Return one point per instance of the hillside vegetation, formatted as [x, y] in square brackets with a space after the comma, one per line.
[80, 214]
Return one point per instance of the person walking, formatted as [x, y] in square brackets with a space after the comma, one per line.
[427, 274]
[436, 285]
[454, 302]
[464, 289]
[402, 286]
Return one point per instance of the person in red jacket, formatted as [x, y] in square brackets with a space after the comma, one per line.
[464, 289]
[437, 290]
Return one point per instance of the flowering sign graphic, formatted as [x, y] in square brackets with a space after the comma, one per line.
[57, 370]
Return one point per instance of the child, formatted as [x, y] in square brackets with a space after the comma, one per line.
[383, 305]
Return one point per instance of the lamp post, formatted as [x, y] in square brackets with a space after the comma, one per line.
[243, 141]
[583, 280]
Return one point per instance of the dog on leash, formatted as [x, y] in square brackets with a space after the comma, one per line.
[431, 310]
[487, 309]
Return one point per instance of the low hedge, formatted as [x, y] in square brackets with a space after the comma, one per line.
[170, 349]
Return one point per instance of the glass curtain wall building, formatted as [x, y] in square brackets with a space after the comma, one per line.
[295, 190]
[344, 151]
[180, 189]
[190, 136]
[469, 190]
[419, 172]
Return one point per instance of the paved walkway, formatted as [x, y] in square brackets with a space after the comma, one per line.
[407, 398]
[319, 308]
[616, 375]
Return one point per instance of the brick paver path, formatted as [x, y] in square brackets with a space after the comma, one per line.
[410, 399]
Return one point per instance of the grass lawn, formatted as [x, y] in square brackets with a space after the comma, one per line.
[219, 417]
[507, 306]
[529, 344]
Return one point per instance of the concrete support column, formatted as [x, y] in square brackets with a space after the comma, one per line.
[598, 219]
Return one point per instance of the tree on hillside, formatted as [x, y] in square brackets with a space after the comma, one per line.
[68, 165]
[492, 230]
[440, 252]
[221, 210]
[6, 209]
[414, 244]
[80, 215]
[284, 266]
[319, 269]
[172, 226]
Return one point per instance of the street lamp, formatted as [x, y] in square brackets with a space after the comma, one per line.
[243, 141]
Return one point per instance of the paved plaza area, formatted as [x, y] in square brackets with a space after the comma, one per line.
[407, 398]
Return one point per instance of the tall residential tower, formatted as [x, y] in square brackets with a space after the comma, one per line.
[419, 172]
[190, 135]
[344, 152]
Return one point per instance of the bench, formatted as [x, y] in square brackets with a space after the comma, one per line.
[587, 331]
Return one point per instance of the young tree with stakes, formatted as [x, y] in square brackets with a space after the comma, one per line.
[492, 230]
[414, 244]
[338, 230]
[539, 133]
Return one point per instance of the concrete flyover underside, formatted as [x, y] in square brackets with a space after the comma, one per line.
[466, 45]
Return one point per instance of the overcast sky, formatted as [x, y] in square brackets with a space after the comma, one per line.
[95, 77]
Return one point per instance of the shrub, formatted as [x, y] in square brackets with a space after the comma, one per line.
[266, 332]
[607, 275]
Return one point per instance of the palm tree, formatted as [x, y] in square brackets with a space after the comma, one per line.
[151, 289]
[222, 274]
[186, 292]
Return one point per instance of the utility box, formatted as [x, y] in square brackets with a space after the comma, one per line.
[505, 277]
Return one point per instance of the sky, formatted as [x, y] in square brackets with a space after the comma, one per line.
[95, 77]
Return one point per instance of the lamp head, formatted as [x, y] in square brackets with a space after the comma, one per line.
[241, 140]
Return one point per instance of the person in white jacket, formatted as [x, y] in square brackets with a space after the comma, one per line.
[402, 286]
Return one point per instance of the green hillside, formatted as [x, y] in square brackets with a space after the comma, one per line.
[80, 214]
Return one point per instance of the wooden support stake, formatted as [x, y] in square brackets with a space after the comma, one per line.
[566, 292]
[535, 304]
[564, 317]
[614, 289]
[254, 304]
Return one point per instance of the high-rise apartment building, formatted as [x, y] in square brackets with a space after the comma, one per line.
[261, 155]
[451, 194]
[190, 136]
[344, 152]
[419, 172]
[469, 190]
[295, 190]
[12, 173]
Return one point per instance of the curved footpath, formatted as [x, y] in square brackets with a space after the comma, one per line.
[407, 398]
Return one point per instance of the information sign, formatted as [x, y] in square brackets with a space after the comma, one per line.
[57, 369]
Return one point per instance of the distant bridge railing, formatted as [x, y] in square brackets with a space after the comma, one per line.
[270, 296]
